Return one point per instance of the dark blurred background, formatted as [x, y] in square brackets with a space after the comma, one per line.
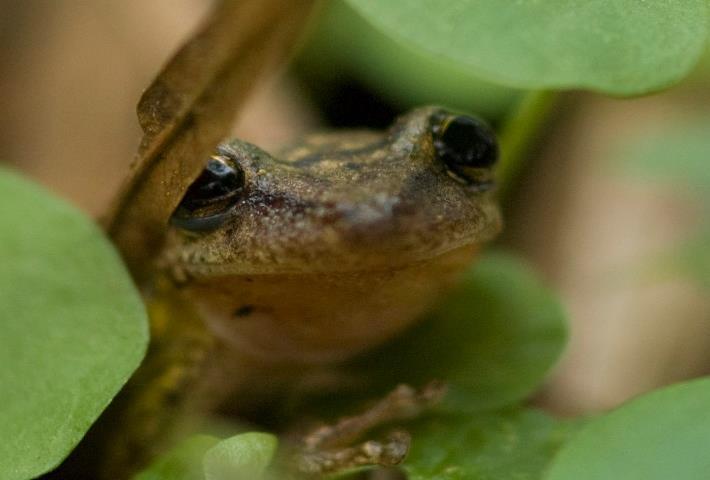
[611, 207]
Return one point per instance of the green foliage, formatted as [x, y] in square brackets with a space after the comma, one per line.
[345, 42]
[621, 47]
[658, 436]
[73, 327]
[675, 153]
[494, 339]
[204, 457]
[510, 444]
[692, 259]
[242, 456]
[183, 462]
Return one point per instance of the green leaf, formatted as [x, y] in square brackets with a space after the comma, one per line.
[346, 42]
[516, 444]
[183, 462]
[494, 339]
[243, 456]
[691, 259]
[658, 436]
[674, 151]
[204, 457]
[73, 327]
[622, 47]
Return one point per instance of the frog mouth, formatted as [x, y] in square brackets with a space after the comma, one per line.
[361, 246]
[476, 180]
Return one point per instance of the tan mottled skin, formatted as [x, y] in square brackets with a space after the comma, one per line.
[336, 245]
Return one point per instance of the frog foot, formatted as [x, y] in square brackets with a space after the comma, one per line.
[330, 448]
[386, 454]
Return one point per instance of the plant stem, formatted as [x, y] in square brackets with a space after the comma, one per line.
[519, 130]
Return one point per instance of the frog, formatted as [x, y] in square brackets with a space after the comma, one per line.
[276, 268]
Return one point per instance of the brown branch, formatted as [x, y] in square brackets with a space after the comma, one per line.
[189, 109]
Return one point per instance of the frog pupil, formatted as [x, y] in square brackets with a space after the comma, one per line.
[466, 142]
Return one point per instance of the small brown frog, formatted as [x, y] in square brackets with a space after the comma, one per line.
[277, 267]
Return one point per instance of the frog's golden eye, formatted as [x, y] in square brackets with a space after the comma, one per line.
[467, 146]
[207, 202]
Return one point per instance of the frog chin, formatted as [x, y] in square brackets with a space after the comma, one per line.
[307, 319]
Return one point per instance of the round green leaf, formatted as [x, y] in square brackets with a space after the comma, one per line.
[72, 327]
[493, 339]
[243, 456]
[346, 42]
[658, 436]
[622, 47]
[514, 444]
[183, 462]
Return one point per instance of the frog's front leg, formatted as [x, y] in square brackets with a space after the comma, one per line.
[330, 448]
[389, 453]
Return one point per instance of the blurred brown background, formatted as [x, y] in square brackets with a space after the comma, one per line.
[71, 73]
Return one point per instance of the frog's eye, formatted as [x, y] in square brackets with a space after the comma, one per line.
[466, 145]
[207, 202]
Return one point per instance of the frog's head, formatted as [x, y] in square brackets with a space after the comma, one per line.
[341, 201]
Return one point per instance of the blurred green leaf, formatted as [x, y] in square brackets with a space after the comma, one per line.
[692, 258]
[345, 42]
[658, 436]
[204, 457]
[675, 152]
[183, 462]
[689, 259]
[494, 339]
[700, 75]
[622, 47]
[516, 444]
[243, 456]
[73, 327]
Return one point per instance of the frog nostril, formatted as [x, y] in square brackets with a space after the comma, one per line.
[467, 146]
